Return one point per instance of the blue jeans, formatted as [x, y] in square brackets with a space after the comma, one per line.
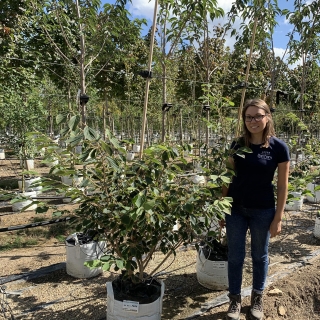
[237, 224]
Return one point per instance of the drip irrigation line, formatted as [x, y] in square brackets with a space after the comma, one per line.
[35, 224]
[33, 274]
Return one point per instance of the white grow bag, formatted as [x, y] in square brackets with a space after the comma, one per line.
[18, 206]
[130, 156]
[78, 254]
[119, 310]
[28, 185]
[295, 205]
[212, 274]
[316, 231]
[2, 154]
[136, 148]
[28, 164]
[198, 179]
[311, 186]
[69, 180]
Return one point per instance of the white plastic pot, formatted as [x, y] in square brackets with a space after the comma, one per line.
[28, 185]
[136, 148]
[311, 187]
[130, 156]
[69, 180]
[18, 206]
[78, 254]
[316, 231]
[2, 154]
[28, 164]
[212, 274]
[295, 205]
[197, 179]
[131, 310]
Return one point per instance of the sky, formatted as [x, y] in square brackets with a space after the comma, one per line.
[145, 9]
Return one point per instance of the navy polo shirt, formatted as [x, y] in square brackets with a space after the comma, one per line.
[252, 186]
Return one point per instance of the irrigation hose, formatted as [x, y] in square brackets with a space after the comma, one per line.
[35, 224]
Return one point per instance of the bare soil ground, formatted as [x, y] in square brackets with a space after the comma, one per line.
[294, 271]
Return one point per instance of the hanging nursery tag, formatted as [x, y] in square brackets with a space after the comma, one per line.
[130, 306]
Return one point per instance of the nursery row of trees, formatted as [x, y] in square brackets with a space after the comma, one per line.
[52, 52]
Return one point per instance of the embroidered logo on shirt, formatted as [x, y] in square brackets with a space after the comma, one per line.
[265, 155]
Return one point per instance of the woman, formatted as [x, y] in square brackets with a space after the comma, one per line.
[253, 204]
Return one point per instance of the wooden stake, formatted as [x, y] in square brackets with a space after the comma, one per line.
[145, 107]
[247, 76]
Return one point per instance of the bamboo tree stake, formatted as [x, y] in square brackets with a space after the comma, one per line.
[247, 76]
[145, 107]
[82, 73]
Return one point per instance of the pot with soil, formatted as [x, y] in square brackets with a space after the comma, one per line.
[212, 265]
[82, 247]
[128, 300]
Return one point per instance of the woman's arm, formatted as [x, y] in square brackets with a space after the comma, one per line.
[282, 192]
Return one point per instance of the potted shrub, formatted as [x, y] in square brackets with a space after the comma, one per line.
[304, 175]
[134, 206]
[314, 187]
[26, 150]
[29, 187]
[30, 184]
[297, 189]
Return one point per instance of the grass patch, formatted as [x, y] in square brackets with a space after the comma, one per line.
[16, 242]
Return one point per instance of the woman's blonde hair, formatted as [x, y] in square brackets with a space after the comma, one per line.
[268, 130]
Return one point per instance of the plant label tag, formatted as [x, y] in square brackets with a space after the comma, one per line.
[132, 306]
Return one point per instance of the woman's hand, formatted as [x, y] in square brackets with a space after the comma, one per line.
[275, 228]
[222, 223]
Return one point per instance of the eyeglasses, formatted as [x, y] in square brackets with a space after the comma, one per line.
[257, 118]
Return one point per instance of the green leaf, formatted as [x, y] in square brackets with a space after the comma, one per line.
[245, 149]
[211, 234]
[90, 134]
[214, 177]
[74, 141]
[149, 204]
[42, 209]
[74, 122]
[105, 258]
[139, 199]
[225, 179]
[113, 163]
[93, 264]
[106, 266]
[120, 264]
[125, 219]
[188, 207]
[61, 118]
